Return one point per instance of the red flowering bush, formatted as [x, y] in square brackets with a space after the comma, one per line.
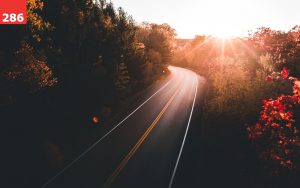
[276, 135]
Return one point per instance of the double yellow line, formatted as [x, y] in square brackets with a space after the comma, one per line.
[124, 162]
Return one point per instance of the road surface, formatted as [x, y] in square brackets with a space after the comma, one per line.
[145, 148]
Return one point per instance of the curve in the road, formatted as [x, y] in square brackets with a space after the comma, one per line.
[138, 143]
[103, 137]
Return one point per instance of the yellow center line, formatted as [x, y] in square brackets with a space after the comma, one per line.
[124, 162]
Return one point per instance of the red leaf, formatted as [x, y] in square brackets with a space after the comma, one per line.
[268, 78]
[285, 73]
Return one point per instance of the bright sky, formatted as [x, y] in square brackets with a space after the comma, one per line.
[223, 18]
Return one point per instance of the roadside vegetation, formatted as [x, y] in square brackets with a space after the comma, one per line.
[251, 108]
[69, 70]
[65, 73]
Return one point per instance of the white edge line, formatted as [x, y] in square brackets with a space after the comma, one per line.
[184, 138]
[102, 138]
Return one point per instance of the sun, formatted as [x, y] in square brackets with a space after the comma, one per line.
[224, 33]
[221, 21]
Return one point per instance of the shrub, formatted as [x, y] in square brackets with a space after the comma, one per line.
[276, 135]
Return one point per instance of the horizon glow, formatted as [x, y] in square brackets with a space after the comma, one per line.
[222, 18]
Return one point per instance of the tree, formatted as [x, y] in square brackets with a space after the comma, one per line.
[31, 73]
[160, 38]
[284, 47]
[26, 66]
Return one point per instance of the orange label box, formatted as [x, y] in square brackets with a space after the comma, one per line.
[13, 12]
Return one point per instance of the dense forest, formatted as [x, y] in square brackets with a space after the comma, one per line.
[251, 111]
[66, 73]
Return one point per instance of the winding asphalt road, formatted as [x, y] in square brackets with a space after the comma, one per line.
[144, 149]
